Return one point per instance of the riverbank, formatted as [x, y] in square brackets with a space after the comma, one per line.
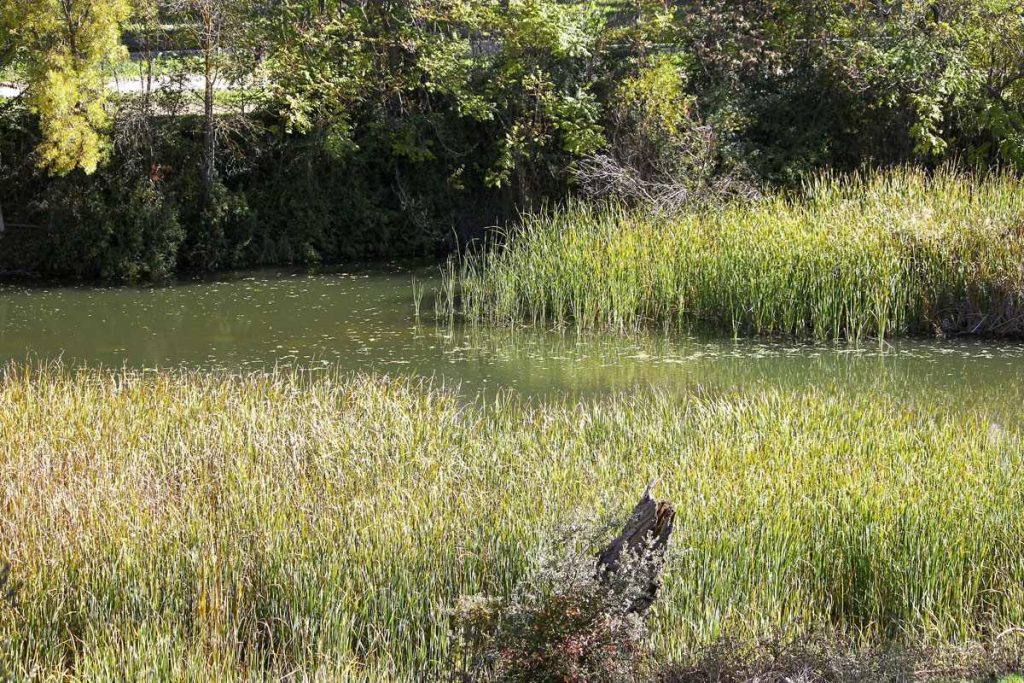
[882, 255]
[240, 527]
[291, 205]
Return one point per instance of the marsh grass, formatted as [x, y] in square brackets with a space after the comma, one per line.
[418, 291]
[191, 526]
[877, 255]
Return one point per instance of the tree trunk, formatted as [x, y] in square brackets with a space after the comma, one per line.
[3, 226]
[643, 540]
[209, 132]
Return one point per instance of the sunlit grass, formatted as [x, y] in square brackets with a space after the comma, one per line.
[174, 525]
[880, 255]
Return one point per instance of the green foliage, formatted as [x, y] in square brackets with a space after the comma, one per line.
[656, 98]
[540, 80]
[952, 65]
[395, 63]
[126, 231]
[792, 86]
[62, 47]
[506, 105]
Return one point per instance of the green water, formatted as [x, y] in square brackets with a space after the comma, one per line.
[364, 320]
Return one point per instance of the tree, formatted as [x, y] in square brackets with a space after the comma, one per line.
[795, 85]
[61, 47]
[315, 67]
[540, 79]
[211, 23]
[526, 69]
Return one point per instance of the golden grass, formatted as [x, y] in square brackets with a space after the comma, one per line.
[188, 526]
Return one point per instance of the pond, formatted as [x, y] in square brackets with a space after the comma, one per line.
[364, 320]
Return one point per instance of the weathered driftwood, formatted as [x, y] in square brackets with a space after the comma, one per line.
[643, 540]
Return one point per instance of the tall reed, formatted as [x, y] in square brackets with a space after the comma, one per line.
[182, 526]
[882, 255]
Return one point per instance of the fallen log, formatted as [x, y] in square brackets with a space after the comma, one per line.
[641, 547]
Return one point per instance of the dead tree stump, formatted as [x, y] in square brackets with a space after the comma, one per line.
[644, 540]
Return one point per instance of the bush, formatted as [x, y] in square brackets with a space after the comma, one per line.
[144, 215]
[111, 229]
[660, 154]
[564, 622]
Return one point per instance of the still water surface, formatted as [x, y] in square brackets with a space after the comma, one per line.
[363, 320]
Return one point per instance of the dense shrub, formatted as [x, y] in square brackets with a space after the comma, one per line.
[295, 203]
[563, 622]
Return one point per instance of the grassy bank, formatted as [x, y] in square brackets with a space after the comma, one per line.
[883, 255]
[174, 526]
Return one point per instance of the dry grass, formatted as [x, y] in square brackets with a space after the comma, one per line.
[186, 526]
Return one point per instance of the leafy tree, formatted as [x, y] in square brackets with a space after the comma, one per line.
[977, 102]
[540, 80]
[525, 68]
[800, 84]
[368, 127]
[61, 48]
[212, 25]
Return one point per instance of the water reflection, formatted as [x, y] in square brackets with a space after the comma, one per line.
[363, 320]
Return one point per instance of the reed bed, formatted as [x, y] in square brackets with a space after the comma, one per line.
[872, 255]
[187, 526]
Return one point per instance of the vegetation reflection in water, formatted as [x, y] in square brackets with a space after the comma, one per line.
[364, 320]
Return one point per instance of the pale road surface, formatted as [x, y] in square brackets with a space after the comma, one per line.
[132, 85]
